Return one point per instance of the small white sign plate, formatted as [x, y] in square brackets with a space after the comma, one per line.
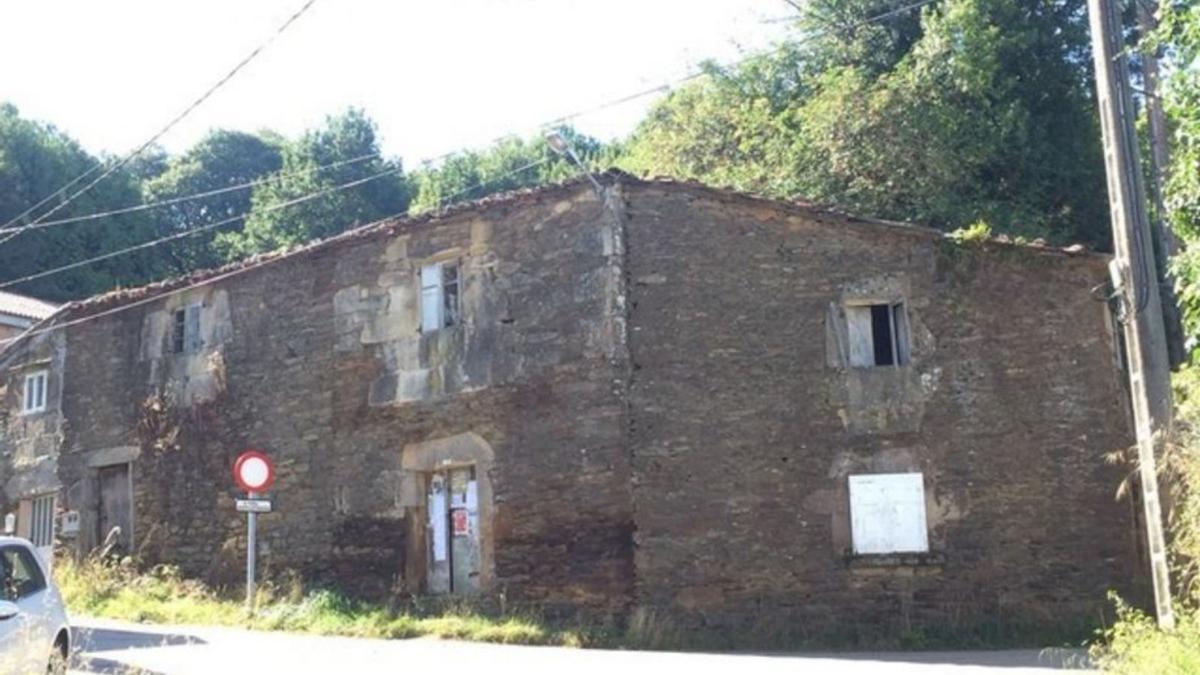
[254, 505]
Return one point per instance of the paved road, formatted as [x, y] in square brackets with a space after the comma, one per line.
[116, 648]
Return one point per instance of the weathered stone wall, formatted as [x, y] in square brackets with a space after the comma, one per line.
[746, 422]
[657, 401]
[318, 359]
[29, 442]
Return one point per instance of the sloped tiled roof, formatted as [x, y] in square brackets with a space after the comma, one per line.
[25, 307]
[391, 226]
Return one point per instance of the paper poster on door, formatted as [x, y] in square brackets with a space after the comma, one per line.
[461, 521]
[437, 504]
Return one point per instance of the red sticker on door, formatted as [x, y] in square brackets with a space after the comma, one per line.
[461, 522]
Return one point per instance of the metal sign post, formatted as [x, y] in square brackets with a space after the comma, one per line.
[254, 473]
[251, 542]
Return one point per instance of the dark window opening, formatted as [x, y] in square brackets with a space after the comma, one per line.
[878, 334]
[178, 330]
[449, 295]
[185, 330]
[881, 335]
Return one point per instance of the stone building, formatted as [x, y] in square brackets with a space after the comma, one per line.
[19, 312]
[735, 412]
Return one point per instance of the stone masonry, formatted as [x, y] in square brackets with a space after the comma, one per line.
[658, 395]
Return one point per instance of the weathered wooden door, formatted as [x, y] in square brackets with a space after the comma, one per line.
[439, 536]
[453, 532]
[464, 531]
[115, 508]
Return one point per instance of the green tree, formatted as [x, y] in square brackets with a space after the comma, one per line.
[343, 137]
[1179, 34]
[504, 166]
[36, 160]
[968, 110]
[220, 160]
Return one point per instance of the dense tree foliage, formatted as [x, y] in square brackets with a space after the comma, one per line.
[970, 110]
[957, 113]
[342, 140]
[509, 164]
[222, 159]
[35, 161]
[1179, 34]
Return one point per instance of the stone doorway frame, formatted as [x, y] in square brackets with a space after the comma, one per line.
[419, 461]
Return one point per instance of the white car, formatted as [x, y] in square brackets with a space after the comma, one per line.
[34, 636]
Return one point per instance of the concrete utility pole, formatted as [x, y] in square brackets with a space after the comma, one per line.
[1136, 280]
[1167, 243]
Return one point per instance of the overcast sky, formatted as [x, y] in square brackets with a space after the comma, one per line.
[436, 75]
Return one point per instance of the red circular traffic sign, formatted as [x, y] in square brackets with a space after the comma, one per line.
[253, 471]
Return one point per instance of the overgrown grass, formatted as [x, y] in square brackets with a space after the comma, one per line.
[118, 591]
[161, 595]
[1134, 644]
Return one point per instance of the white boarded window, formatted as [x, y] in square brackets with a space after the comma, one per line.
[439, 296]
[878, 334]
[887, 513]
[33, 396]
[41, 526]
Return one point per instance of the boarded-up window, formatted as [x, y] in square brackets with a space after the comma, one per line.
[878, 334]
[887, 513]
[439, 296]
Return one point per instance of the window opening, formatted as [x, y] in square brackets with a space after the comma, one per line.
[34, 394]
[41, 530]
[878, 334]
[185, 333]
[440, 306]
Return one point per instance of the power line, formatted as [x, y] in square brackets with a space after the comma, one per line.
[560, 120]
[153, 139]
[196, 230]
[200, 195]
[246, 267]
[212, 226]
[664, 87]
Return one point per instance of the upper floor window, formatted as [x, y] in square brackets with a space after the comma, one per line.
[439, 296]
[887, 513]
[34, 392]
[878, 334]
[185, 333]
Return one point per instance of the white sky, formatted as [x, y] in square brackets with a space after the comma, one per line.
[435, 75]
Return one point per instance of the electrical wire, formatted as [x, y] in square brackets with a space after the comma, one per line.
[153, 139]
[195, 230]
[666, 86]
[246, 267]
[200, 195]
[559, 121]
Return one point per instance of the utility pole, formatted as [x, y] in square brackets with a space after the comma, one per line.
[1167, 244]
[1134, 272]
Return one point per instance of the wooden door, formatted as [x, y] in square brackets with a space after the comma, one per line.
[464, 529]
[115, 508]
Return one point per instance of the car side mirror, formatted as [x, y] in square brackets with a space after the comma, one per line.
[8, 610]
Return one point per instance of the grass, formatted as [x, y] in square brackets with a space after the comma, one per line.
[1135, 645]
[161, 595]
